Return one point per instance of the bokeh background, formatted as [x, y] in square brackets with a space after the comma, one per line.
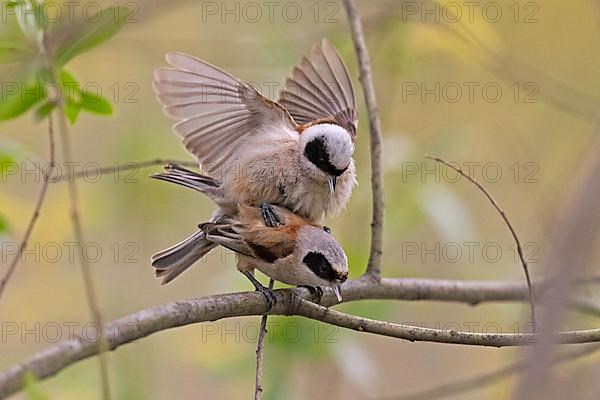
[514, 97]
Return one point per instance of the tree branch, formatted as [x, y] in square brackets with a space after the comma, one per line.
[476, 382]
[260, 356]
[127, 166]
[36, 211]
[366, 80]
[293, 302]
[88, 278]
[506, 221]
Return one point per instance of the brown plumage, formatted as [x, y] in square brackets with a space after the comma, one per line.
[295, 252]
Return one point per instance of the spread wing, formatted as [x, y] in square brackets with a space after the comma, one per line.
[216, 111]
[320, 87]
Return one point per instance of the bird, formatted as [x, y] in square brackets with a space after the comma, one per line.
[171, 262]
[296, 153]
[283, 246]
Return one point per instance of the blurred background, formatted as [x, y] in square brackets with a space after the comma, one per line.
[507, 89]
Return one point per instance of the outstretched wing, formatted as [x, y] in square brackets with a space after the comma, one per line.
[319, 88]
[216, 111]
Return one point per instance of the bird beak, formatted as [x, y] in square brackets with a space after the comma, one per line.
[337, 289]
[332, 183]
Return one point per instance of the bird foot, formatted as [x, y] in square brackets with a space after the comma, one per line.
[265, 291]
[315, 291]
[270, 216]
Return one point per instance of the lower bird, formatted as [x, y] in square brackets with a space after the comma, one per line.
[272, 239]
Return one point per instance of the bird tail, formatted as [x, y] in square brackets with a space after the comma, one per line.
[182, 176]
[171, 262]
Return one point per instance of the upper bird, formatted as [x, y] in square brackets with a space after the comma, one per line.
[296, 152]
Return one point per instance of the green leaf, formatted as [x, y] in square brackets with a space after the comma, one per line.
[44, 110]
[4, 228]
[11, 153]
[72, 111]
[95, 103]
[73, 98]
[70, 86]
[82, 35]
[10, 53]
[32, 389]
[18, 97]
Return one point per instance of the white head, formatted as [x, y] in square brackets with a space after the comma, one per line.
[323, 256]
[327, 150]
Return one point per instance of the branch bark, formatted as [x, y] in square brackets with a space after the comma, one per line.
[260, 352]
[366, 80]
[88, 278]
[127, 166]
[36, 211]
[293, 302]
[465, 385]
[506, 222]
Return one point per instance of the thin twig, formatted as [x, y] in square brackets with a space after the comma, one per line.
[88, 280]
[506, 221]
[36, 211]
[211, 308]
[366, 80]
[476, 382]
[90, 290]
[260, 347]
[127, 166]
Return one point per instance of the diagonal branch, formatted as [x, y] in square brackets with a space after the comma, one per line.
[36, 211]
[506, 221]
[465, 385]
[88, 279]
[260, 352]
[127, 166]
[366, 80]
[293, 302]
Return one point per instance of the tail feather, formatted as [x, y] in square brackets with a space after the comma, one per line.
[172, 262]
[182, 176]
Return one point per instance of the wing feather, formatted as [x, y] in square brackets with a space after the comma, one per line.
[217, 112]
[320, 87]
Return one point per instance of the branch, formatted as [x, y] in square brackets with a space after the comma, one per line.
[366, 80]
[88, 279]
[289, 302]
[126, 167]
[36, 211]
[506, 221]
[472, 383]
[570, 248]
[258, 389]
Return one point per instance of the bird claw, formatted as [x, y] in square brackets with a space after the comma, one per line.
[269, 296]
[315, 291]
[265, 291]
[270, 216]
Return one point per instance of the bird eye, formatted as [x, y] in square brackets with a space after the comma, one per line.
[319, 264]
[327, 229]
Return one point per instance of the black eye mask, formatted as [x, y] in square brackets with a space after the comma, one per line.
[316, 152]
[319, 265]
